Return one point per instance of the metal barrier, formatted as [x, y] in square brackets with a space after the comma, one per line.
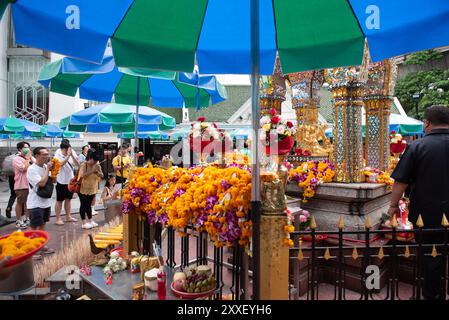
[387, 265]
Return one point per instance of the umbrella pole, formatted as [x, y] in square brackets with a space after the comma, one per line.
[136, 129]
[255, 180]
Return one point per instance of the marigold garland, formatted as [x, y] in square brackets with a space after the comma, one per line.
[214, 200]
[55, 167]
[309, 175]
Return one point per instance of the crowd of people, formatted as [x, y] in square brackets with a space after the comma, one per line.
[32, 188]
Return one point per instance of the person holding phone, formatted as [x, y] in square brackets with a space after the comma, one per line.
[21, 164]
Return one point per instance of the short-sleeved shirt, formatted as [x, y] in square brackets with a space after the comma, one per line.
[66, 171]
[121, 161]
[81, 157]
[89, 184]
[34, 175]
[424, 166]
[20, 173]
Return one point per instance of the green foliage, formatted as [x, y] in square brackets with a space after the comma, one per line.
[433, 87]
[422, 57]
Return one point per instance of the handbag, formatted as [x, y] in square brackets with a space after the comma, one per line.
[74, 185]
[45, 191]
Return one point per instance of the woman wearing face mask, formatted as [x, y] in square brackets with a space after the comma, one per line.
[90, 173]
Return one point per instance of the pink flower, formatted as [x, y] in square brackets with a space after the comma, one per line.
[273, 112]
[280, 130]
[275, 120]
[305, 213]
[302, 218]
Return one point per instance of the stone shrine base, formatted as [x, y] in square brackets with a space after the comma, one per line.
[353, 201]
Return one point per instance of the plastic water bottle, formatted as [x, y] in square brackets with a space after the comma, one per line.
[161, 284]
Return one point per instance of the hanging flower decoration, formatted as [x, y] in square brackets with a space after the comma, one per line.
[309, 175]
[211, 199]
[202, 134]
[397, 143]
[304, 223]
[273, 125]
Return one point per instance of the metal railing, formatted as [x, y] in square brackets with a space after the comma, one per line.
[391, 264]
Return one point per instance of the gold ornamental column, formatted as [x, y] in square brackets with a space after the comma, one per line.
[379, 95]
[347, 87]
[274, 256]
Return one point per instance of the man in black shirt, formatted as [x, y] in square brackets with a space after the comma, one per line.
[424, 168]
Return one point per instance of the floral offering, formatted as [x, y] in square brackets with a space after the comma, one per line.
[373, 175]
[214, 200]
[304, 223]
[17, 244]
[309, 175]
[274, 125]
[397, 143]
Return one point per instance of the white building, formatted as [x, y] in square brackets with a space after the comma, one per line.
[20, 94]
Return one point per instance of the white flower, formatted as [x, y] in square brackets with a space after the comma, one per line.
[115, 255]
[280, 129]
[112, 262]
[115, 268]
[123, 265]
[197, 126]
[106, 269]
[264, 120]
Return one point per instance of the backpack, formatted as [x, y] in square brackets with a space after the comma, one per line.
[7, 167]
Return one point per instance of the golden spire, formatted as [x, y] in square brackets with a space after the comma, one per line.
[341, 223]
[420, 222]
[434, 252]
[313, 223]
[407, 252]
[444, 221]
[355, 254]
[368, 224]
[394, 222]
[381, 254]
[327, 254]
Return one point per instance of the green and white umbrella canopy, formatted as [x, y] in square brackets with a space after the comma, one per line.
[175, 34]
[119, 118]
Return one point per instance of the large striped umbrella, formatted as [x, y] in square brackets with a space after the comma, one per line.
[119, 118]
[22, 126]
[171, 34]
[105, 82]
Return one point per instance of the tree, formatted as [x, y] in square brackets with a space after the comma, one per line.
[432, 86]
[422, 57]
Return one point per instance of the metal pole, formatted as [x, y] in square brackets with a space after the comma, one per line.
[255, 111]
[136, 129]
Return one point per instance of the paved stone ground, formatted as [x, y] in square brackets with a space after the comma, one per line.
[58, 233]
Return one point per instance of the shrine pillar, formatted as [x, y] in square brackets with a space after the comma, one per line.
[347, 87]
[379, 94]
